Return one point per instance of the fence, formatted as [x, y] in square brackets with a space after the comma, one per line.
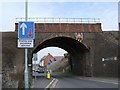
[61, 20]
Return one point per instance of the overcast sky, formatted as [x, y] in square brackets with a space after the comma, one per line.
[55, 51]
[106, 11]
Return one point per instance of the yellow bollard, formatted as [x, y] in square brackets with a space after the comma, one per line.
[48, 75]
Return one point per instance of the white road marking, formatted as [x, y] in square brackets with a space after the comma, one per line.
[54, 84]
[50, 83]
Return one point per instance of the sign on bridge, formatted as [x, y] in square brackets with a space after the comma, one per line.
[109, 58]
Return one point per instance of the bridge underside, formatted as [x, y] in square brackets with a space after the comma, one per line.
[71, 45]
[76, 50]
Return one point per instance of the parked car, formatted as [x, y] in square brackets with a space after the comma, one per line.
[41, 70]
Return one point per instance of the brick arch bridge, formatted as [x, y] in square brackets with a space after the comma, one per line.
[86, 57]
[60, 32]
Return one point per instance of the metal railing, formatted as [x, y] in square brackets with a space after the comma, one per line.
[61, 20]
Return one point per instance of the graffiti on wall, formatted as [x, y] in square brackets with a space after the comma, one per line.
[79, 37]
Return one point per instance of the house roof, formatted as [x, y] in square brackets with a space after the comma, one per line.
[44, 57]
[58, 58]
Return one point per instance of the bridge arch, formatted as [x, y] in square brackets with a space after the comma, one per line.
[71, 45]
[75, 48]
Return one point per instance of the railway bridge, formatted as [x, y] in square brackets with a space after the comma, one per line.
[86, 52]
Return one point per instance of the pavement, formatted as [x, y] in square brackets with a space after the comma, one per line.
[41, 82]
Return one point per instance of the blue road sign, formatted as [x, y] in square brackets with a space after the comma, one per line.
[26, 30]
[48, 65]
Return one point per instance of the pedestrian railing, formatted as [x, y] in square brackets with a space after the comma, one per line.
[61, 20]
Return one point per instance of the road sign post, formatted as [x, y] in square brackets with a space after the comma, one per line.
[26, 67]
[25, 40]
[35, 59]
[26, 71]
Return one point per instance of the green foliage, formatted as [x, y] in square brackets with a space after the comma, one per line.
[30, 81]
[66, 55]
[67, 72]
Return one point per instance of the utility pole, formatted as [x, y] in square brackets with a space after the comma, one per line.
[26, 52]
